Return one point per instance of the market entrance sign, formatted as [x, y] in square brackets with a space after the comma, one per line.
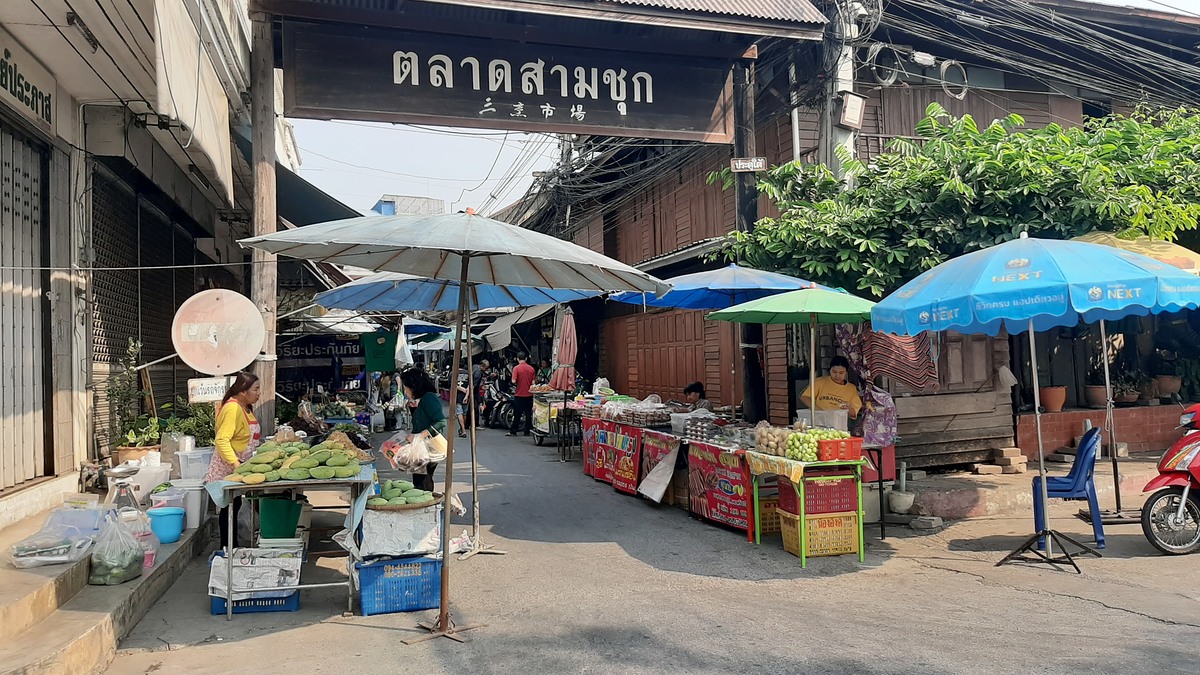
[392, 75]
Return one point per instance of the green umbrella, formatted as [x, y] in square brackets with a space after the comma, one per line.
[808, 306]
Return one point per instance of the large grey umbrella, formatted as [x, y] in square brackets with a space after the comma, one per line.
[443, 247]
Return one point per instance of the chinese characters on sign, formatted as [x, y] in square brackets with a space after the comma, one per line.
[401, 76]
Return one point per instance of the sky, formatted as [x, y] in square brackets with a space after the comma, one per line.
[357, 162]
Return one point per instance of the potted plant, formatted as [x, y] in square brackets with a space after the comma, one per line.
[1166, 376]
[134, 434]
[1094, 392]
[1126, 388]
[195, 420]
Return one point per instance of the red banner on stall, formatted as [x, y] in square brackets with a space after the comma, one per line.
[590, 426]
[656, 446]
[719, 485]
[626, 443]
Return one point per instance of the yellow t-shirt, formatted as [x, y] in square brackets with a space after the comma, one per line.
[834, 396]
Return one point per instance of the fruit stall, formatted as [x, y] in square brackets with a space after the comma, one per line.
[388, 524]
[804, 483]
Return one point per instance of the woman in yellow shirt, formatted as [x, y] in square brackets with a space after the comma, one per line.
[834, 392]
[238, 434]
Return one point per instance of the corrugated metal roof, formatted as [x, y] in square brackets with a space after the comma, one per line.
[800, 11]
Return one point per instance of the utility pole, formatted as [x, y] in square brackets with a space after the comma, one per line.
[754, 406]
[264, 272]
[841, 79]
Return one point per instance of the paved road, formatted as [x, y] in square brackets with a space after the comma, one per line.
[600, 582]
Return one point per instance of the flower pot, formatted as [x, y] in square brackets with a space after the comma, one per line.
[1127, 397]
[1168, 384]
[901, 502]
[126, 452]
[1095, 395]
[1053, 398]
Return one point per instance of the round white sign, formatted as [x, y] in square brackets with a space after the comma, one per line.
[218, 332]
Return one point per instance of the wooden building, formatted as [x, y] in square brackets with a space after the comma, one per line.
[674, 218]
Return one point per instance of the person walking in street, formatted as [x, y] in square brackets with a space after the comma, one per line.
[522, 376]
[238, 434]
[427, 416]
[478, 375]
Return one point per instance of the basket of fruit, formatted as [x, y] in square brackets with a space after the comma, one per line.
[402, 495]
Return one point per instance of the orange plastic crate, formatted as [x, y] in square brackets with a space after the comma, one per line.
[845, 449]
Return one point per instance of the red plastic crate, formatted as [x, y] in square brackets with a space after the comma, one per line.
[788, 501]
[830, 495]
[845, 449]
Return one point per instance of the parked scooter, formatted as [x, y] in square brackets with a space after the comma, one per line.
[497, 406]
[1171, 516]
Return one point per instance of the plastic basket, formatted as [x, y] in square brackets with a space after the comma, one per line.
[254, 605]
[832, 534]
[788, 501]
[844, 449]
[830, 495]
[193, 464]
[789, 527]
[399, 585]
[278, 517]
[768, 518]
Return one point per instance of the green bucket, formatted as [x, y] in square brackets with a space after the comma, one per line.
[278, 518]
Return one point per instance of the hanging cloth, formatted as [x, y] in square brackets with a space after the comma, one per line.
[877, 423]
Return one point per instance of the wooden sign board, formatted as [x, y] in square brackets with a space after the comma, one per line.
[390, 75]
[208, 389]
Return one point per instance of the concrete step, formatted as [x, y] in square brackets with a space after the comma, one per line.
[28, 596]
[81, 634]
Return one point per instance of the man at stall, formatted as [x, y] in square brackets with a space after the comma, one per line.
[833, 392]
[694, 394]
[522, 377]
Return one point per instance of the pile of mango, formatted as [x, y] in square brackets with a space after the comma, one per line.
[295, 461]
[399, 493]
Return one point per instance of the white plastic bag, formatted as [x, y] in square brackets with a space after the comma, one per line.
[54, 544]
[600, 383]
[138, 524]
[117, 558]
[411, 457]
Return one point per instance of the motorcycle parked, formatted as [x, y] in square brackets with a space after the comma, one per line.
[497, 406]
[1171, 516]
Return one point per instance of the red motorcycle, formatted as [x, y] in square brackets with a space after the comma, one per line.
[1171, 516]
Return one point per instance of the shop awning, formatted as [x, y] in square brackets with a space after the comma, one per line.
[499, 334]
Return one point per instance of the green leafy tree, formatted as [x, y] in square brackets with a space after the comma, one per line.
[959, 188]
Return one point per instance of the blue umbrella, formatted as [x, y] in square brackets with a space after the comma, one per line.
[718, 289]
[393, 291]
[1032, 285]
[1035, 283]
[418, 327]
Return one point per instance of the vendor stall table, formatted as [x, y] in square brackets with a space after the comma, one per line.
[804, 476]
[225, 492]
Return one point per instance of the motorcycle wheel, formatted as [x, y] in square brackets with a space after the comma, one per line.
[507, 415]
[1167, 533]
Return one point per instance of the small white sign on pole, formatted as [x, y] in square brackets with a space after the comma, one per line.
[208, 389]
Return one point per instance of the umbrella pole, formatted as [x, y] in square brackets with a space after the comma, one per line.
[1044, 534]
[1110, 427]
[812, 369]
[477, 546]
[443, 627]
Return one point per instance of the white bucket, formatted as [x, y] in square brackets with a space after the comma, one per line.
[195, 501]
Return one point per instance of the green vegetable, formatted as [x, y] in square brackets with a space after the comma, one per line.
[403, 485]
[296, 474]
[398, 501]
[345, 472]
[414, 493]
[322, 472]
[376, 501]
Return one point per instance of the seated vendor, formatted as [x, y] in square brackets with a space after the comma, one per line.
[694, 394]
[834, 392]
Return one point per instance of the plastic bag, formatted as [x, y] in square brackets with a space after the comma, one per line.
[117, 558]
[138, 524]
[54, 544]
[600, 383]
[410, 457]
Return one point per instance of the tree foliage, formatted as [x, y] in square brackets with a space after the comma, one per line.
[959, 188]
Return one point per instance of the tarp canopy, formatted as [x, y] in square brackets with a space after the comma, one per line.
[499, 335]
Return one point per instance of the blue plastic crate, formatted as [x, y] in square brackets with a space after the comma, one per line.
[253, 605]
[399, 584]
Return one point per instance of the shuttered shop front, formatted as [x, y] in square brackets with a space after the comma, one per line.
[129, 233]
[24, 310]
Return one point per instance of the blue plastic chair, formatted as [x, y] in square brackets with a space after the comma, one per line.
[1079, 483]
